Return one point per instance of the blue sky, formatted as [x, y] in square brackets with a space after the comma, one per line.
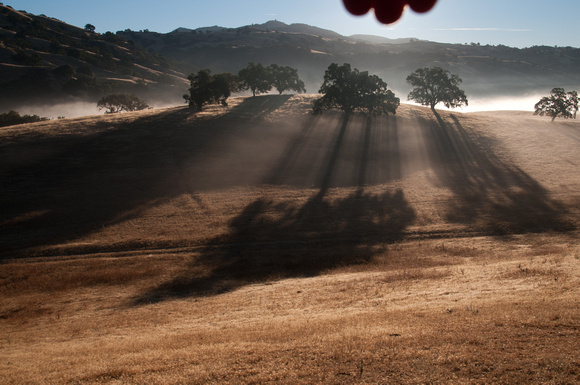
[517, 23]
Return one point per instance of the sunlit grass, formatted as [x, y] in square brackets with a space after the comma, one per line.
[229, 248]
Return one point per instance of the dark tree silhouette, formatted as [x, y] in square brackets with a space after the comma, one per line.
[90, 28]
[200, 92]
[12, 118]
[559, 103]
[352, 90]
[121, 102]
[436, 85]
[206, 88]
[223, 85]
[285, 78]
[255, 77]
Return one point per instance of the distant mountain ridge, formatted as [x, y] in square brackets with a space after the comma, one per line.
[486, 70]
[46, 60]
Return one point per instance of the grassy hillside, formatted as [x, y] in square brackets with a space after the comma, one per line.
[259, 243]
[47, 61]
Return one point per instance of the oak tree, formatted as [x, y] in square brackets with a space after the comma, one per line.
[121, 102]
[436, 85]
[559, 103]
[352, 90]
[285, 78]
[255, 77]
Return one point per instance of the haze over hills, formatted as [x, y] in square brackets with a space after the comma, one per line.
[155, 65]
[486, 70]
[44, 60]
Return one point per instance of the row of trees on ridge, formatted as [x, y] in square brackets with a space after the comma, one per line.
[344, 88]
[352, 90]
[206, 88]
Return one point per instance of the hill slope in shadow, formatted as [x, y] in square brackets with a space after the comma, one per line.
[264, 189]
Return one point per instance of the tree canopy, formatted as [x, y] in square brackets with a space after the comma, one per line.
[559, 103]
[436, 85]
[207, 88]
[351, 90]
[285, 78]
[121, 102]
[255, 77]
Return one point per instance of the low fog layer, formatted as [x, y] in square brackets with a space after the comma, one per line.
[67, 110]
[77, 109]
[523, 103]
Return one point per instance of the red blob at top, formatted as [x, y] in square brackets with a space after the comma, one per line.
[358, 7]
[387, 11]
[421, 6]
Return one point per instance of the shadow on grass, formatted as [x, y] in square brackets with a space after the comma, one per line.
[489, 194]
[274, 240]
[59, 188]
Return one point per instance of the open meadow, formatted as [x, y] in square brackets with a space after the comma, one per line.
[258, 243]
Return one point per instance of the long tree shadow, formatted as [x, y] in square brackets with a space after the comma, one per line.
[488, 193]
[58, 188]
[274, 240]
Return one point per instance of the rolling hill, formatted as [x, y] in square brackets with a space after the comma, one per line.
[259, 243]
[47, 61]
[87, 174]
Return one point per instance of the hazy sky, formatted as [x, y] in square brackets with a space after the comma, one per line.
[518, 23]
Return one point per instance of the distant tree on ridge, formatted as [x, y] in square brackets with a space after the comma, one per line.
[436, 85]
[207, 88]
[559, 103]
[285, 78]
[351, 90]
[255, 77]
[121, 102]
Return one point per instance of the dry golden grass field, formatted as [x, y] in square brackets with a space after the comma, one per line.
[260, 244]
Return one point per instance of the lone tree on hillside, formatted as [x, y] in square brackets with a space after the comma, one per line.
[200, 92]
[559, 103]
[352, 90]
[285, 78]
[255, 77]
[90, 28]
[121, 102]
[436, 85]
[207, 88]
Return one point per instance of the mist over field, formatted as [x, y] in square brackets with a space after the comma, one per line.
[78, 109]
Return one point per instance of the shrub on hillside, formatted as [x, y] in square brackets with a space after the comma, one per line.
[121, 102]
[12, 118]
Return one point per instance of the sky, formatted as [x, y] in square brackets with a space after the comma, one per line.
[515, 23]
